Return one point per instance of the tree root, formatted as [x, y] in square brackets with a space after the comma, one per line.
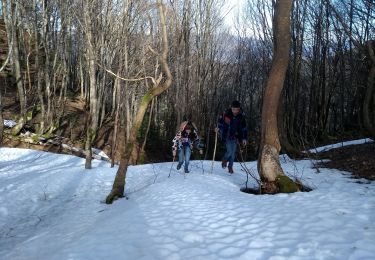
[113, 195]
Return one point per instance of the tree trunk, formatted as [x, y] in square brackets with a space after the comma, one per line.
[1, 120]
[93, 99]
[370, 93]
[132, 143]
[114, 137]
[269, 167]
[82, 81]
[39, 68]
[143, 152]
[12, 35]
[286, 146]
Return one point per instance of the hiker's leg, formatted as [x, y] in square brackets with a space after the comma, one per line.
[180, 158]
[233, 147]
[187, 158]
[228, 150]
[181, 155]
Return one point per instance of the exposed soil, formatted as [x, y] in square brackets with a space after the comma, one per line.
[357, 159]
[72, 125]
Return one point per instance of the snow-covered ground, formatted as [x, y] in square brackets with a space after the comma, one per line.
[9, 123]
[52, 208]
[338, 145]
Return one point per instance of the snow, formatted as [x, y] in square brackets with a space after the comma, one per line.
[338, 145]
[100, 152]
[10, 123]
[52, 208]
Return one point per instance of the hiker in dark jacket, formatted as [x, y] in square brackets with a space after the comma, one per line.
[183, 144]
[232, 129]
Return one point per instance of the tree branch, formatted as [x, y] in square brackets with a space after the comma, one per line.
[124, 79]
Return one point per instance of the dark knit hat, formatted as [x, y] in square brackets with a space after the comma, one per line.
[236, 104]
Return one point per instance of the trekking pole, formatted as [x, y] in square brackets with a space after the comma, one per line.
[170, 170]
[213, 158]
[201, 156]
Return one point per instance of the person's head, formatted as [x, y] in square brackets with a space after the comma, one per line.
[188, 128]
[187, 117]
[236, 107]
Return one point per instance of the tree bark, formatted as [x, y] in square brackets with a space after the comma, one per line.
[269, 167]
[39, 68]
[93, 99]
[142, 151]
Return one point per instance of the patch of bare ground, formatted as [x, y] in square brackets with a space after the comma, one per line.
[71, 129]
[356, 159]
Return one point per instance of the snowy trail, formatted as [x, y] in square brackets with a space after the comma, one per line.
[204, 225]
[49, 211]
[33, 191]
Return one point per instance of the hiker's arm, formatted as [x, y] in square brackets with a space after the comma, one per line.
[198, 145]
[175, 144]
[220, 124]
[174, 148]
[182, 125]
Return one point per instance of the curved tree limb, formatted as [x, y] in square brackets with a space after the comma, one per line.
[130, 152]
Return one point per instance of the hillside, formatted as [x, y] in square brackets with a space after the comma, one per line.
[51, 208]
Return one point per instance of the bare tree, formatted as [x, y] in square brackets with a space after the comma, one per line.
[10, 15]
[130, 150]
[369, 102]
[93, 115]
[269, 167]
[365, 46]
[328, 90]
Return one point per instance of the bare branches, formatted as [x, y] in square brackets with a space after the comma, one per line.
[130, 80]
[8, 56]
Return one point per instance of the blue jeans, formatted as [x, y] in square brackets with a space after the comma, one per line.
[185, 150]
[230, 154]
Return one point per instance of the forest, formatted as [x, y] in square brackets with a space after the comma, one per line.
[121, 75]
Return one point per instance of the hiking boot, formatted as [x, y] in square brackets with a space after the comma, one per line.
[186, 171]
[224, 164]
[230, 170]
[179, 166]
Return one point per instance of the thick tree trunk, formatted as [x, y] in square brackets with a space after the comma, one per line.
[269, 167]
[130, 149]
[130, 152]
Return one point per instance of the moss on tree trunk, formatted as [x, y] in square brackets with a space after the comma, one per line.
[286, 185]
